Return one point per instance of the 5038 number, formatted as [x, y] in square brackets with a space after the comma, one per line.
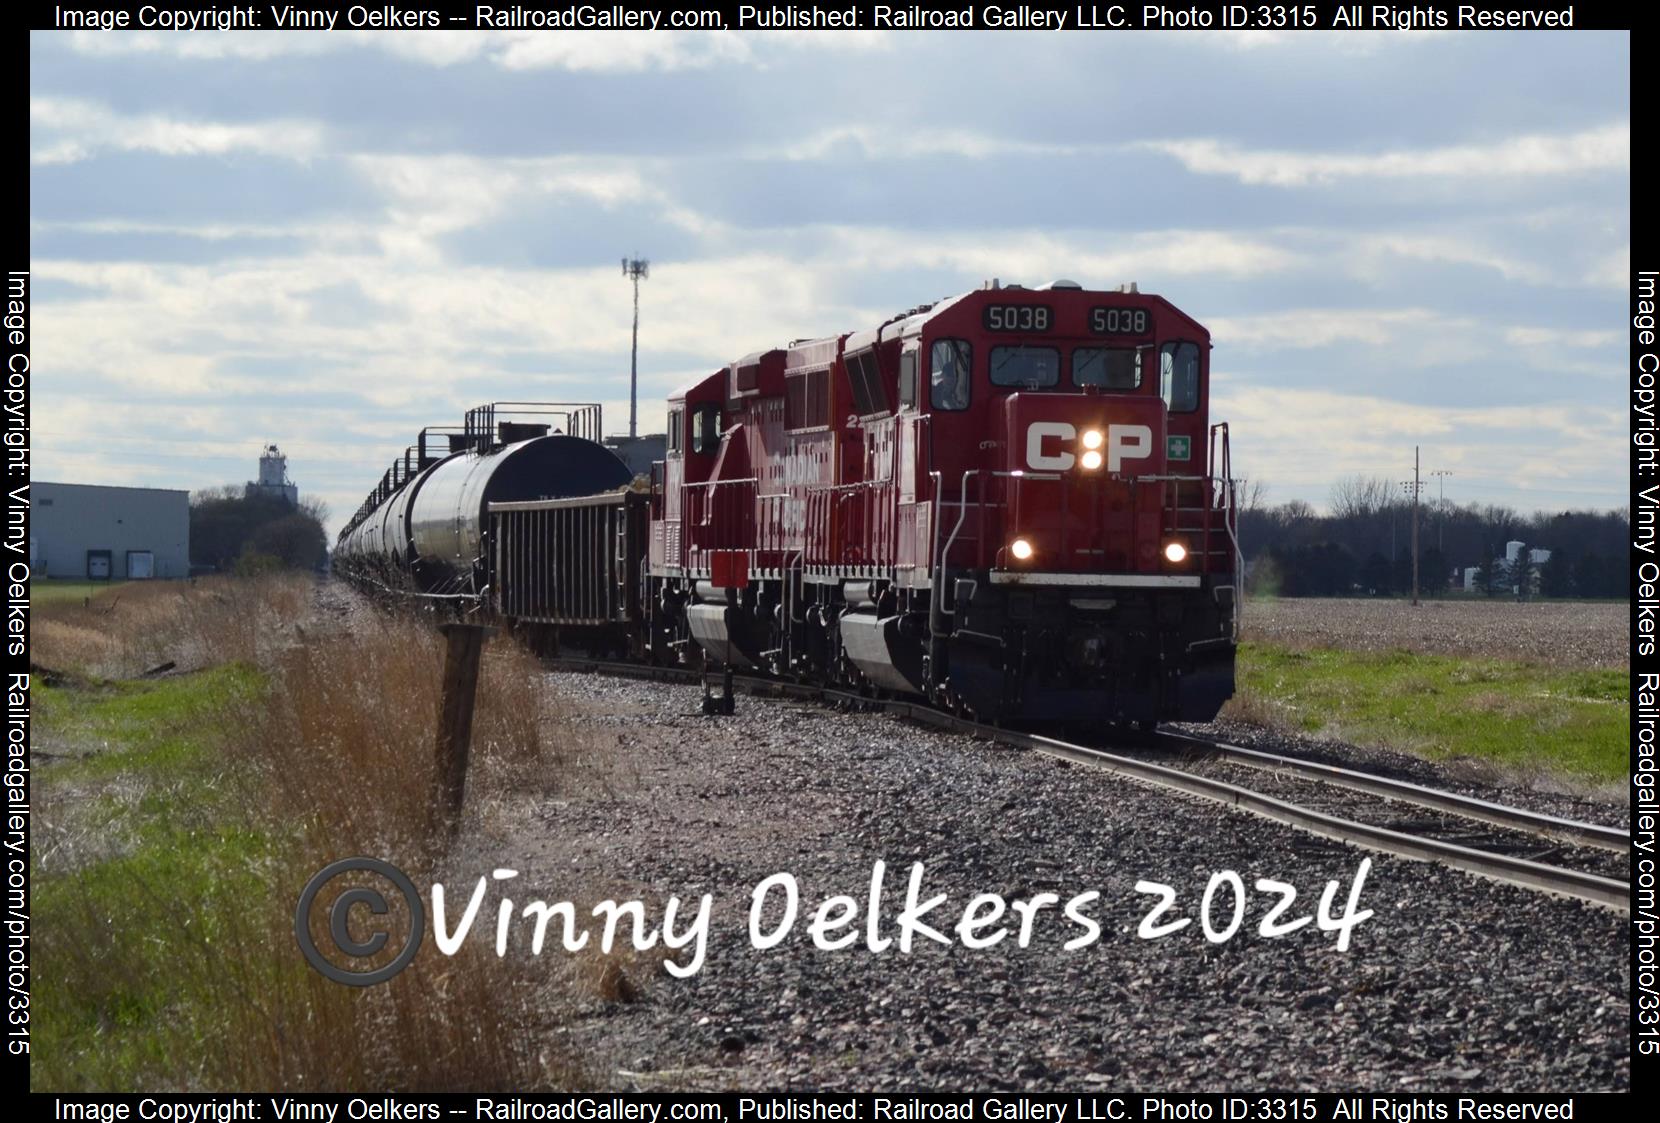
[1119, 321]
[1018, 317]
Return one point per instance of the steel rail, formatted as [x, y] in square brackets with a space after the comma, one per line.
[1501, 815]
[1501, 867]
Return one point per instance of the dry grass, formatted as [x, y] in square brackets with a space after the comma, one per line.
[1550, 634]
[126, 630]
[172, 962]
[345, 744]
[345, 754]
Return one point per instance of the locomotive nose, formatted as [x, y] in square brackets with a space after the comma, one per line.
[1074, 503]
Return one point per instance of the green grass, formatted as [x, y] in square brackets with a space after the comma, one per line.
[151, 861]
[47, 590]
[1574, 721]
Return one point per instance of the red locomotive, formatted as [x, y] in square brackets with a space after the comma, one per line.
[1011, 503]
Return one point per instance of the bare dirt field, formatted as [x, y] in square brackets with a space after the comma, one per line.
[1554, 634]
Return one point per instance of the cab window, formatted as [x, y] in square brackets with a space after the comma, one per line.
[1179, 376]
[1110, 368]
[951, 363]
[1031, 367]
[676, 421]
[706, 429]
[907, 380]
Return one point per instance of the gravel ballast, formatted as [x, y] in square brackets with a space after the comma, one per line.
[1454, 983]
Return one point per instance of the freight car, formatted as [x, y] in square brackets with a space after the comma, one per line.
[422, 531]
[1011, 503]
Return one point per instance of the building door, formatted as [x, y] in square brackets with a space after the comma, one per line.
[141, 565]
[98, 565]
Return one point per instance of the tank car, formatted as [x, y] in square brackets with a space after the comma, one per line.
[425, 530]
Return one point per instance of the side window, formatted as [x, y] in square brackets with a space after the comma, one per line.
[1111, 368]
[1179, 376]
[907, 379]
[676, 421]
[807, 399]
[706, 429]
[864, 374]
[951, 363]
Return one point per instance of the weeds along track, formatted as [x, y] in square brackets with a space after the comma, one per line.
[1375, 812]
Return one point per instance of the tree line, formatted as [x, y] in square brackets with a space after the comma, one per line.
[233, 532]
[1364, 546]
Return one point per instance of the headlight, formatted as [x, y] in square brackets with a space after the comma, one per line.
[1091, 460]
[1175, 553]
[1021, 549]
[1092, 438]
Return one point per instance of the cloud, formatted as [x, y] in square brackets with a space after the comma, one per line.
[623, 52]
[1451, 251]
[427, 197]
[1606, 148]
[334, 283]
[1322, 44]
[1561, 338]
[246, 45]
[1392, 342]
[1612, 271]
[75, 130]
[1299, 440]
[870, 142]
[580, 51]
[1034, 257]
[1307, 328]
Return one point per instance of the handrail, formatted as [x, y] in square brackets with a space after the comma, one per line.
[1230, 520]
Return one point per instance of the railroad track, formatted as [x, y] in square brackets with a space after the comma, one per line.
[1434, 836]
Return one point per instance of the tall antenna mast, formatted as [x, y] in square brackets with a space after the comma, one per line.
[635, 269]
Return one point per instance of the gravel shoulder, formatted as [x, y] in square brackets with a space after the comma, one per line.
[1454, 983]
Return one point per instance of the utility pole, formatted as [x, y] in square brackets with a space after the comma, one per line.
[1441, 509]
[635, 269]
[1414, 485]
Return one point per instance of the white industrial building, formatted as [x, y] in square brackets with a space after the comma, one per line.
[82, 531]
[1512, 551]
[273, 482]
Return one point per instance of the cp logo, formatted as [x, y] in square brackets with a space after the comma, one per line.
[1124, 442]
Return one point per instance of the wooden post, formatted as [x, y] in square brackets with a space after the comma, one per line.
[464, 644]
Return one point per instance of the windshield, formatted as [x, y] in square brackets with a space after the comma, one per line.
[1111, 368]
[1032, 367]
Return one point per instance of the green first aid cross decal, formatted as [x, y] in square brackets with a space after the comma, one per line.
[1178, 448]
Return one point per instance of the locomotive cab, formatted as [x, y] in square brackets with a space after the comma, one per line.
[1085, 565]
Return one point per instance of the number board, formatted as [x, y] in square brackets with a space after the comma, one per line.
[1019, 317]
[1120, 321]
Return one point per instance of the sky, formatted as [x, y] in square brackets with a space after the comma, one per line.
[329, 239]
